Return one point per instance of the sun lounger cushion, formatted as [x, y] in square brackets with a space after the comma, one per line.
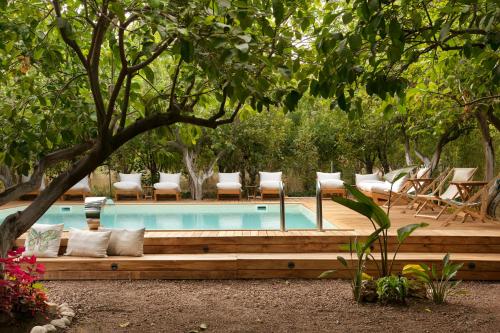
[331, 183]
[24, 179]
[125, 242]
[270, 180]
[82, 185]
[368, 185]
[459, 175]
[229, 186]
[84, 243]
[170, 178]
[167, 186]
[330, 180]
[270, 176]
[271, 185]
[43, 240]
[231, 177]
[130, 177]
[326, 176]
[367, 177]
[127, 186]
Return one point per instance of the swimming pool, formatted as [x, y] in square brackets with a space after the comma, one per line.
[183, 216]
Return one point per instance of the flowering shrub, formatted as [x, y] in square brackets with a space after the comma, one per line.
[20, 294]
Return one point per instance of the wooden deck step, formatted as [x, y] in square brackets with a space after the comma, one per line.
[247, 265]
[297, 242]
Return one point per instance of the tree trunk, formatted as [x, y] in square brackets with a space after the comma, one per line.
[487, 141]
[406, 143]
[18, 223]
[382, 156]
[6, 176]
[368, 162]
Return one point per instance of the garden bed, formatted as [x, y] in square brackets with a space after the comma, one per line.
[265, 306]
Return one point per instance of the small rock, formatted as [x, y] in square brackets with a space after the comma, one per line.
[59, 323]
[67, 314]
[51, 308]
[38, 329]
[50, 328]
[67, 320]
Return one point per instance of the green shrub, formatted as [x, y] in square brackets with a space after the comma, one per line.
[439, 286]
[392, 289]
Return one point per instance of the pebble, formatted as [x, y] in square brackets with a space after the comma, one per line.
[50, 328]
[58, 323]
[38, 329]
[52, 308]
[68, 313]
[66, 320]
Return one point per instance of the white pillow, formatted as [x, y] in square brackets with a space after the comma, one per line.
[43, 240]
[167, 186]
[170, 178]
[82, 184]
[125, 242]
[232, 177]
[362, 178]
[270, 176]
[127, 186]
[327, 176]
[131, 177]
[84, 243]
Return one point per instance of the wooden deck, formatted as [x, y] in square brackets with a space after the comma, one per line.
[296, 253]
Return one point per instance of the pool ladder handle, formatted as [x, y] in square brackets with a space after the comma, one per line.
[319, 207]
[282, 207]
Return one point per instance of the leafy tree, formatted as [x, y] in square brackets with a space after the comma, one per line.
[95, 65]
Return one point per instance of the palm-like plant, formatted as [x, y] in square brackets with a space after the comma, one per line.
[438, 286]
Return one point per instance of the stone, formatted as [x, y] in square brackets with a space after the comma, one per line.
[52, 308]
[67, 313]
[50, 328]
[59, 323]
[66, 320]
[38, 329]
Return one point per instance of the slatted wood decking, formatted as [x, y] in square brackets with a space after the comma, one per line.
[291, 254]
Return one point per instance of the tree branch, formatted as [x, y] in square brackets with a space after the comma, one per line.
[15, 192]
[70, 42]
[162, 47]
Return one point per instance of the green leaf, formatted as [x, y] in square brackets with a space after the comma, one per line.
[355, 42]
[444, 31]
[347, 18]
[187, 50]
[148, 72]
[278, 11]
[292, 100]
[407, 230]
[395, 30]
[359, 207]
[341, 100]
[243, 47]
[326, 274]
[117, 8]
[342, 261]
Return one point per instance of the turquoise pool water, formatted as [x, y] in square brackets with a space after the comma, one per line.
[183, 217]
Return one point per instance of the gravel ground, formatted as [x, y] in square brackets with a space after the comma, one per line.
[265, 306]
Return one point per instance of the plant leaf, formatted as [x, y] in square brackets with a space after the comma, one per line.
[407, 230]
[326, 274]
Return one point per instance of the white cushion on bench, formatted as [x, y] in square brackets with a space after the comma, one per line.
[84, 243]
